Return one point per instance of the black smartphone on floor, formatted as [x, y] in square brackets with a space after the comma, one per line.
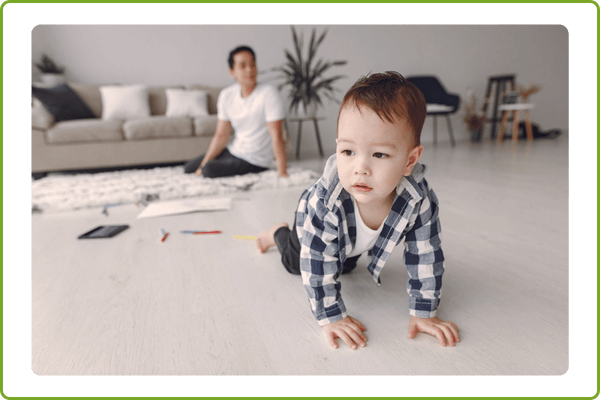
[104, 231]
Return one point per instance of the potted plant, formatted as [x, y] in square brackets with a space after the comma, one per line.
[305, 77]
[525, 92]
[52, 74]
[474, 119]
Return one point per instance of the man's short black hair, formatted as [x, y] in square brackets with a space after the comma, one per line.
[239, 49]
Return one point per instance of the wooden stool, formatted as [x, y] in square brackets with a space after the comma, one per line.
[500, 81]
[515, 108]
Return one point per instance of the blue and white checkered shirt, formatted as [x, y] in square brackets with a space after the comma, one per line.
[326, 225]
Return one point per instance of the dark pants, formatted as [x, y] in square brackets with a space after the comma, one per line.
[289, 246]
[226, 164]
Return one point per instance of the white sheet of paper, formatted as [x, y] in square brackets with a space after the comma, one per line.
[185, 206]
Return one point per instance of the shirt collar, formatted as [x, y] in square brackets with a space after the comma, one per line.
[411, 183]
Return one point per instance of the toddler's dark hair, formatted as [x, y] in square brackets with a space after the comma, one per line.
[391, 97]
[238, 50]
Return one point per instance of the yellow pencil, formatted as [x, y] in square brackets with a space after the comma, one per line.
[242, 237]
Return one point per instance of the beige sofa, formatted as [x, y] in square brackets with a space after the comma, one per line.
[97, 143]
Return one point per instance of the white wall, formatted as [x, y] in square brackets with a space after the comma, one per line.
[461, 56]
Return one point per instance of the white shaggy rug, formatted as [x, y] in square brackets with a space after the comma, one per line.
[71, 192]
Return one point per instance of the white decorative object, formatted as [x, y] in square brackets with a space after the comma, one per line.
[186, 103]
[124, 102]
[50, 80]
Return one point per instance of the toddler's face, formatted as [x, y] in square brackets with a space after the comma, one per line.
[373, 155]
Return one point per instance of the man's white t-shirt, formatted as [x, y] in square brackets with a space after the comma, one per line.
[249, 118]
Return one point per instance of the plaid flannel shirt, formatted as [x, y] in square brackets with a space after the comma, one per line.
[326, 225]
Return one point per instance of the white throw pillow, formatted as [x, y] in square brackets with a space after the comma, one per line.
[124, 102]
[186, 103]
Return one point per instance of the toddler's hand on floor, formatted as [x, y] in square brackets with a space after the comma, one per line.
[198, 172]
[444, 331]
[350, 330]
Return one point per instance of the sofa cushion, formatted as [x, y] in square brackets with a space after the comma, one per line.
[157, 127]
[85, 130]
[213, 96]
[62, 102]
[90, 94]
[158, 99]
[124, 102]
[186, 103]
[206, 125]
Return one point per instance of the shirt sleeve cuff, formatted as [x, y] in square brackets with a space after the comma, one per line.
[423, 308]
[333, 313]
[332, 319]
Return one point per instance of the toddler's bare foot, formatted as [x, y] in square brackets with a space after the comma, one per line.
[266, 240]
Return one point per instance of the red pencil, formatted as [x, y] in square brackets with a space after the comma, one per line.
[205, 232]
[164, 237]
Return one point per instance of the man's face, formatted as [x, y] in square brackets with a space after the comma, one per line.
[244, 68]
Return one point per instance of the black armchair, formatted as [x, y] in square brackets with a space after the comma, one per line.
[439, 102]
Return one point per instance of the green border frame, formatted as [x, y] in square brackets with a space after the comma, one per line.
[264, 1]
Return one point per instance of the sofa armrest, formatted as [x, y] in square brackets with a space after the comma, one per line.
[40, 116]
[38, 138]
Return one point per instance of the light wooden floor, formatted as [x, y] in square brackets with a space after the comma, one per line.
[211, 305]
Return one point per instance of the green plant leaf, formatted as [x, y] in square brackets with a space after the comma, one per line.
[47, 65]
[305, 77]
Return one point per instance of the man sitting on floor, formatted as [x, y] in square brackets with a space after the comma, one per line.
[256, 113]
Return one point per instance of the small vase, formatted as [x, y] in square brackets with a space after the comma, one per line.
[475, 135]
[52, 79]
[311, 109]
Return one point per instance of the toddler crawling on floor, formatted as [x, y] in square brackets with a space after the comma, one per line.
[372, 195]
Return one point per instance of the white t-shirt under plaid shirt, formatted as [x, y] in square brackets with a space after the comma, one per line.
[248, 117]
[326, 225]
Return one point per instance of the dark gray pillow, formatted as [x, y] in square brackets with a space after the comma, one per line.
[62, 102]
